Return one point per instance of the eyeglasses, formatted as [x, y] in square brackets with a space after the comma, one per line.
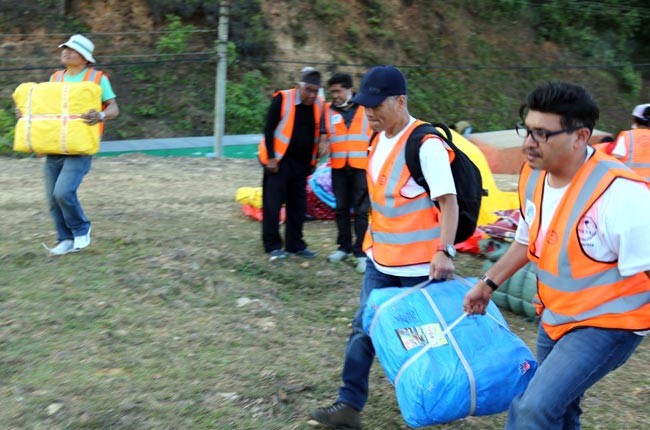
[540, 135]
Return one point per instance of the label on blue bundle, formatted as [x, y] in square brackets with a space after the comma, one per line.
[428, 334]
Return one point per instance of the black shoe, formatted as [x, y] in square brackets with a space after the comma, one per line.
[339, 415]
[277, 254]
[304, 253]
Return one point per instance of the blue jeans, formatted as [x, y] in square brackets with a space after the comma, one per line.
[63, 176]
[359, 352]
[567, 368]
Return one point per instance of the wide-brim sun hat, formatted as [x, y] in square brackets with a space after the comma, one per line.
[82, 45]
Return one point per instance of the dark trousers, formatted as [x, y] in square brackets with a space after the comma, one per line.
[285, 187]
[351, 191]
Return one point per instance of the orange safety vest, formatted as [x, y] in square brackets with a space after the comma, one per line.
[637, 143]
[605, 147]
[573, 289]
[284, 129]
[348, 145]
[91, 75]
[403, 231]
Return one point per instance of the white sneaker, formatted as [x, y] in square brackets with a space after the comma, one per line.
[361, 264]
[81, 242]
[338, 256]
[61, 248]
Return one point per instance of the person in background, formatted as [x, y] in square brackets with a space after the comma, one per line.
[345, 133]
[605, 143]
[633, 146]
[64, 173]
[409, 239]
[288, 152]
[464, 128]
[583, 227]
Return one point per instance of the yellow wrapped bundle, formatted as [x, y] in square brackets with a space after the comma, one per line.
[51, 120]
[250, 196]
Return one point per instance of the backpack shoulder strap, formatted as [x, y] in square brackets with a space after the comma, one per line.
[412, 150]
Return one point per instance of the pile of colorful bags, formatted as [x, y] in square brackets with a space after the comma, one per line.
[251, 203]
[320, 198]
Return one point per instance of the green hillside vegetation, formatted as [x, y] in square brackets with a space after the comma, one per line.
[465, 59]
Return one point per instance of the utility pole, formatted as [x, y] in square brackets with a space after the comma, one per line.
[220, 80]
[64, 5]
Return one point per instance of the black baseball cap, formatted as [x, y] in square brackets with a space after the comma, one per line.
[378, 83]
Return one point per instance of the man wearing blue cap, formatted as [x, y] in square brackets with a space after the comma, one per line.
[409, 239]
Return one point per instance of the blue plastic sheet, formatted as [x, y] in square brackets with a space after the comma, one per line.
[476, 368]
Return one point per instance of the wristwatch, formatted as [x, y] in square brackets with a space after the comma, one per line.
[102, 116]
[489, 282]
[448, 249]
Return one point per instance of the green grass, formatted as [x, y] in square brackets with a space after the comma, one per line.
[173, 318]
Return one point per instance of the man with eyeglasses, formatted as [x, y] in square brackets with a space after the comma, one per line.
[585, 228]
[288, 152]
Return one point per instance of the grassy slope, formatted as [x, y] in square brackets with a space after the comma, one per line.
[174, 318]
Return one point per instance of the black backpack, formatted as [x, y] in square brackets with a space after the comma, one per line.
[467, 177]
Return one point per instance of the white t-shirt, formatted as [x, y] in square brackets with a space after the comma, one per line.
[620, 148]
[616, 227]
[434, 161]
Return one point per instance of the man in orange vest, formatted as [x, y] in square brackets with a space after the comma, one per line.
[585, 228]
[409, 240]
[345, 133]
[288, 153]
[64, 173]
[633, 146]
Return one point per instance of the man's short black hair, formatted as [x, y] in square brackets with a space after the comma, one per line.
[340, 78]
[573, 103]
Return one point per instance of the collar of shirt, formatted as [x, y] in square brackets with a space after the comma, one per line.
[350, 107]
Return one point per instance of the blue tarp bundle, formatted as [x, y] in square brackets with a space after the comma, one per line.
[445, 365]
[321, 184]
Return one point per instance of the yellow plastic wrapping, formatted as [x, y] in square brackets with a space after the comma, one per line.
[250, 196]
[496, 199]
[51, 122]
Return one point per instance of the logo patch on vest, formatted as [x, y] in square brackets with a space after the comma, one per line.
[530, 212]
[587, 228]
[337, 118]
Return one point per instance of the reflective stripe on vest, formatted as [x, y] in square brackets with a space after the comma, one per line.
[91, 75]
[638, 151]
[281, 135]
[574, 289]
[403, 231]
[348, 143]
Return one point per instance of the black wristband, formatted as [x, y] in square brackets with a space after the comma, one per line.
[489, 282]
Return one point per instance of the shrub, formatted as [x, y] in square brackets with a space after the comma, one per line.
[246, 105]
[7, 125]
